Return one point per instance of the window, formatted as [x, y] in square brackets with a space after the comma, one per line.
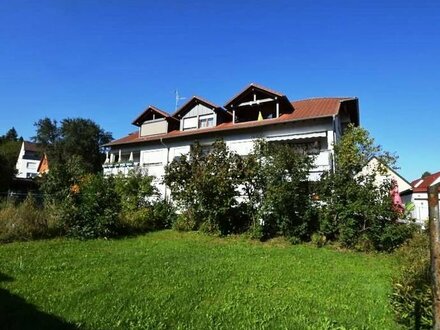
[31, 166]
[206, 121]
[189, 123]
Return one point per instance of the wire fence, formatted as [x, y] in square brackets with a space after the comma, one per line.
[17, 197]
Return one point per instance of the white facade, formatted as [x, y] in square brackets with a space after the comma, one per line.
[384, 173]
[155, 156]
[419, 197]
[28, 161]
[239, 128]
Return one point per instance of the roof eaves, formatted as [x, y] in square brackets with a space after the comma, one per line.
[216, 129]
[153, 108]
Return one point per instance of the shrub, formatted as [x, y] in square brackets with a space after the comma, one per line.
[92, 208]
[204, 187]
[276, 187]
[412, 296]
[356, 209]
[25, 221]
[142, 210]
[185, 221]
[160, 215]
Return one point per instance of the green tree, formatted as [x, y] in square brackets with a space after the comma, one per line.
[425, 174]
[275, 184]
[11, 135]
[204, 185]
[78, 137]
[356, 210]
[9, 149]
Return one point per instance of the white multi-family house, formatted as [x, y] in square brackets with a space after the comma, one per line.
[28, 161]
[254, 113]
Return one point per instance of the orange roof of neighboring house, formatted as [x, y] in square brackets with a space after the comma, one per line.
[43, 167]
[422, 184]
[303, 110]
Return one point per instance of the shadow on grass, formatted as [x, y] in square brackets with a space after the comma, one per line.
[16, 313]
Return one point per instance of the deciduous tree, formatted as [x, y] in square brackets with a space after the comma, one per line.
[78, 137]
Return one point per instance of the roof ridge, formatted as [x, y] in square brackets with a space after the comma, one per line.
[327, 98]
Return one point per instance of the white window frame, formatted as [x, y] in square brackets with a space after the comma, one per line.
[208, 119]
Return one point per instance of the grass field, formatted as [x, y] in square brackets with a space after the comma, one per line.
[190, 281]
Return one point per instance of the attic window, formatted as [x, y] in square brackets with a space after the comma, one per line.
[206, 121]
[190, 123]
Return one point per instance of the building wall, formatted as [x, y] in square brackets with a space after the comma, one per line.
[26, 168]
[421, 207]
[154, 156]
[388, 174]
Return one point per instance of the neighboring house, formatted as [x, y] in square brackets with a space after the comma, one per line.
[384, 172]
[43, 167]
[256, 112]
[419, 196]
[28, 161]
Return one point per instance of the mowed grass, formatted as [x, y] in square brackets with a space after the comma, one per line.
[171, 280]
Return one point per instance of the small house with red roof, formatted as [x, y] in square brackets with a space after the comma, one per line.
[419, 196]
[254, 113]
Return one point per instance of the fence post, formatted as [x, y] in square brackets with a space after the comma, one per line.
[434, 239]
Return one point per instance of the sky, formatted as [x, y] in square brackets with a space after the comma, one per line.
[108, 60]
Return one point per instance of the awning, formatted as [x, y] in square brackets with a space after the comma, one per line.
[287, 137]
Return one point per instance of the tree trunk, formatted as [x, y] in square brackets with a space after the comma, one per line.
[434, 239]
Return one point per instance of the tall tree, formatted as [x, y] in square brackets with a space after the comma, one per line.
[9, 150]
[77, 137]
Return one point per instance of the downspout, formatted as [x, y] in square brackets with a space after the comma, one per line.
[334, 141]
[168, 156]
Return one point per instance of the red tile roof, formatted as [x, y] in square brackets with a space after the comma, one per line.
[303, 110]
[424, 182]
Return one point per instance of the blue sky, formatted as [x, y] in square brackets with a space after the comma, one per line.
[108, 60]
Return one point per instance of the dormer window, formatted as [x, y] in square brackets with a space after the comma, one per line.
[189, 123]
[257, 103]
[154, 121]
[206, 121]
[198, 113]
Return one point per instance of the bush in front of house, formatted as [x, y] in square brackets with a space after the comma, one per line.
[411, 298]
[356, 210]
[265, 192]
[142, 209]
[204, 186]
[92, 208]
[276, 190]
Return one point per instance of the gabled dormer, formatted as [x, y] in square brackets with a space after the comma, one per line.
[199, 113]
[154, 121]
[258, 103]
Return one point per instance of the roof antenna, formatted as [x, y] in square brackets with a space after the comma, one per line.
[178, 98]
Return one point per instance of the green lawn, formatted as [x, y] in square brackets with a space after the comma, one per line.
[170, 280]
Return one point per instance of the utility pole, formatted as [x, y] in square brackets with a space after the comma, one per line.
[434, 240]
